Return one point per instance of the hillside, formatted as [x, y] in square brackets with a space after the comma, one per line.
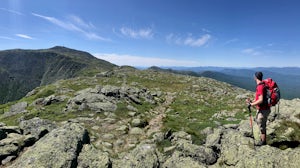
[287, 78]
[23, 70]
[132, 118]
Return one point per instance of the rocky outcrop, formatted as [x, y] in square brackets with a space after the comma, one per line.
[37, 127]
[59, 148]
[17, 109]
[105, 98]
[12, 142]
[143, 156]
[91, 157]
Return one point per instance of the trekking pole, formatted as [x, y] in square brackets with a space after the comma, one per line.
[251, 124]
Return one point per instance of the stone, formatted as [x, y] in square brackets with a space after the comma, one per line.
[199, 153]
[123, 128]
[132, 114]
[213, 140]
[108, 136]
[11, 129]
[138, 123]
[37, 127]
[102, 106]
[179, 161]
[131, 108]
[7, 159]
[111, 91]
[143, 156]
[59, 148]
[18, 108]
[136, 131]
[91, 157]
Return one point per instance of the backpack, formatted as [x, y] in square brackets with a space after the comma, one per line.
[272, 92]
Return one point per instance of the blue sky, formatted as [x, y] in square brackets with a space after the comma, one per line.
[229, 33]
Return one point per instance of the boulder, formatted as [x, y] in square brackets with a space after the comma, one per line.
[177, 160]
[136, 131]
[102, 106]
[238, 151]
[143, 156]
[213, 140]
[200, 154]
[139, 123]
[11, 129]
[19, 107]
[59, 148]
[37, 127]
[11, 145]
[91, 157]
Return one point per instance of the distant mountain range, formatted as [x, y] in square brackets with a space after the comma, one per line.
[288, 78]
[23, 70]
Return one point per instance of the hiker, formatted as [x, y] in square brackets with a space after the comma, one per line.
[263, 109]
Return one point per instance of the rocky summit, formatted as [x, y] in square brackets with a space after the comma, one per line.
[126, 117]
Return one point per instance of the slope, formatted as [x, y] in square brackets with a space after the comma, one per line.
[23, 70]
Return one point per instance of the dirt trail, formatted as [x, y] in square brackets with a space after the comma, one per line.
[156, 123]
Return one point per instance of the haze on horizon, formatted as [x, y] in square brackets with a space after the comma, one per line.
[233, 33]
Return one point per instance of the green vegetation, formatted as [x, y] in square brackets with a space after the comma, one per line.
[195, 102]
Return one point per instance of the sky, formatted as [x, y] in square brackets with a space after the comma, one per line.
[191, 33]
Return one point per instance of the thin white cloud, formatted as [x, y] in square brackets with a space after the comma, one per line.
[144, 61]
[188, 41]
[137, 34]
[6, 38]
[197, 42]
[11, 11]
[24, 36]
[74, 24]
[80, 22]
[251, 51]
[231, 41]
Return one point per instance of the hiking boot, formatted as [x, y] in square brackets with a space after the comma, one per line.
[261, 143]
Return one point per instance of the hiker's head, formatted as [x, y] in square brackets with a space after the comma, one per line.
[258, 75]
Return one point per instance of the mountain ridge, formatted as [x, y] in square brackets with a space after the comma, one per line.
[287, 78]
[23, 70]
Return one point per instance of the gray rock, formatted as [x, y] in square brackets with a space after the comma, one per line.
[33, 92]
[180, 136]
[131, 108]
[213, 140]
[108, 136]
[136, 131]
[37, 127]
[17, 109]
[59, 148]
[11, 145]
[7, 159]
[143, 156]
[102, 106]
[91, 157]
[238, 151]
[123, 128]
[199, 153]
[132, 114]
[53, 99]
[139, 123]
[11, 129]
[177, 160]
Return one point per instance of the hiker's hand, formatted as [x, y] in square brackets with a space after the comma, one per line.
[248, 101]
[249, 105]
